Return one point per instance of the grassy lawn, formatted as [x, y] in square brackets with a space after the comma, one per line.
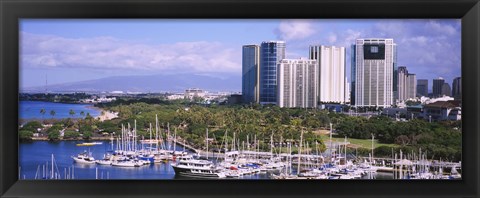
[365, 143]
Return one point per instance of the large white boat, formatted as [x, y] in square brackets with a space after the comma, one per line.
[84, 158]
[189, 167]
[127, 163]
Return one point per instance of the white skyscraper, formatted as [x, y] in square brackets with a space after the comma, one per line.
[297, 83]
[402, 74]
[374, 62]
[331, 63]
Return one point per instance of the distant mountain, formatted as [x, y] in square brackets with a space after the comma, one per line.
[152, 83]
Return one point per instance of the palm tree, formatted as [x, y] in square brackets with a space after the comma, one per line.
[82, 113]
[42, 111]
[71, 112]
[52, 113]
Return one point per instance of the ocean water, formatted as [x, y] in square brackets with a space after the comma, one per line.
[31, 110]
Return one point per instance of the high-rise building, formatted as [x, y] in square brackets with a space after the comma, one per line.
[402, 74]
[250, 73]
[331, 64]
[407, 84]
[347, 91]
[297, 83]
[422, 87]
[437, 86]
[411, 86]
[446, 90]
[271, 53]
[374, 63]
[457, 88]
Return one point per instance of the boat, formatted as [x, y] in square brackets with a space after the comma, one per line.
[84, 158]
[90, 143]
[127, 163]
[189, 167]
[103, 162]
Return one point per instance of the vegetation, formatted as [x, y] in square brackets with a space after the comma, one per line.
[71, 134]
[248, 122]
[55, 97]
[441, 139]
[32, 126]
[25, 135]
[54, 132]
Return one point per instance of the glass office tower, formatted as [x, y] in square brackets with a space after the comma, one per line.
[250, 70]
[271, 53]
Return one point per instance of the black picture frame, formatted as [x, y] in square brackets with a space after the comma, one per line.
[13, 10]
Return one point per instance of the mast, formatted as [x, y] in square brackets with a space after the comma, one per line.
[345, 150]
[373, 137]
[111, 138]
[233, 142]
[175, 140]
[331, 131]
[206, 141]
[300, 152]
[52, 168]
[271, 146]
[248, 144]
[156, 132]
[168, 135]
[128, 137]
[135, 137]
[150, 149]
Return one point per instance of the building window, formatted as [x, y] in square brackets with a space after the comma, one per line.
[374, 49]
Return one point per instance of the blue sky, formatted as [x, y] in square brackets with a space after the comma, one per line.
[69, 50]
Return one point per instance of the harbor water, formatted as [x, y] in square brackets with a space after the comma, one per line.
[31, 110]
[35, 155]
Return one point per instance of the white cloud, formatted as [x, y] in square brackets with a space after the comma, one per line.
[439, 28]
[40, 51]
[294, 29]
[332, 38]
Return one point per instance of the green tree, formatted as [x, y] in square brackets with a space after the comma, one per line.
[52, 113]
[54, 135]
[87, 131]
[82, 113]
[25, 135]
[71, 112]
[43, 111]
[32, 126]
[70, 134]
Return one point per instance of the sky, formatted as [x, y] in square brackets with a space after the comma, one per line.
[70, 50]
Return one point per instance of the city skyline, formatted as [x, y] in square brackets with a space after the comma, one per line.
[76, 50]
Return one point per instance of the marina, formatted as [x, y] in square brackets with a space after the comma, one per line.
[161, 154]
[128, 158]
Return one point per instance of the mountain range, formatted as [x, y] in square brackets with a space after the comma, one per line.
[150, 83]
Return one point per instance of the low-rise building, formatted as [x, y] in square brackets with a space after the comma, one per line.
[443, 110]
[175, 96]
[194, 92]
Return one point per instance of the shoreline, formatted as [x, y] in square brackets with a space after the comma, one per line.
[91, 139]
[108, 115]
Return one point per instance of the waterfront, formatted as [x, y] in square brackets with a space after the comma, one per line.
[31, 110]
[33, 155]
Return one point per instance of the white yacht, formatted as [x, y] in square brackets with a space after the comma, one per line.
[127, 163]
[84, 158]
[189, 167]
